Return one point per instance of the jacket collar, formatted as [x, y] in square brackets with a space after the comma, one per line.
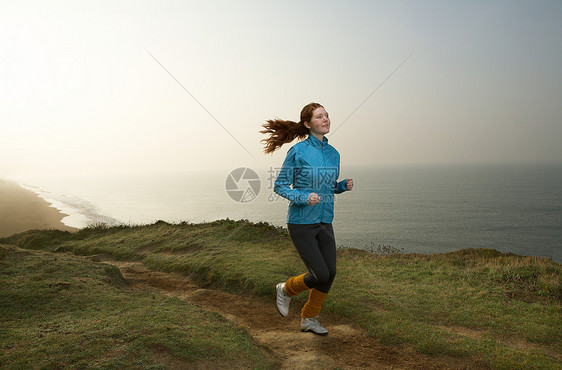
[317, 143]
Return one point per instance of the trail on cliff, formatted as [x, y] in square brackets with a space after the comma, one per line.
[345, 347]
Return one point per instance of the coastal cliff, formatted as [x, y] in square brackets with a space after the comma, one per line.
[475, 307]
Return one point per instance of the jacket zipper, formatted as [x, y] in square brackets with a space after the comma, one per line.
[323, 181]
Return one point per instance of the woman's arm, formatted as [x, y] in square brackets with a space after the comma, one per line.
[285, 180]
[344, 185]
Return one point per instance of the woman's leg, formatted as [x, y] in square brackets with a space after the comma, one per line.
[301, 235]
[296, 285]
[327, 247]
[317, 248]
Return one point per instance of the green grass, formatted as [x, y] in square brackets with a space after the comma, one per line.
[497, 310]
[459, 304]
[61, 311]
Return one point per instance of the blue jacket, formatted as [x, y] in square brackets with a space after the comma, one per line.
[311, 166]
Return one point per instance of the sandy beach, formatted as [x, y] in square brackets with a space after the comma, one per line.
[21, 210]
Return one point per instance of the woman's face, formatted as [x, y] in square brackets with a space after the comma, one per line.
[319, 123]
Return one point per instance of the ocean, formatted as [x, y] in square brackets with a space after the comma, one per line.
[414, 209]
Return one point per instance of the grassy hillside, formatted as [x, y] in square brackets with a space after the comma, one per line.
[479, 305]
[59, 311]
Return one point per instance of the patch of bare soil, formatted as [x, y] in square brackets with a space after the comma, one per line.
[466, 332]
[345, 347]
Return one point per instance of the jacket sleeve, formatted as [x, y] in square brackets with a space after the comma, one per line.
[340, 187]
[286, 178]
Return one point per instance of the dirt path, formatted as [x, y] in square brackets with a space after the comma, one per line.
[345, 347]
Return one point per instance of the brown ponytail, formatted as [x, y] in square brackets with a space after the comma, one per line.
[282, 132]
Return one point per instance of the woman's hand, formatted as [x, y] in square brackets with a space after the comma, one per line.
[349, 184]
[313, 199]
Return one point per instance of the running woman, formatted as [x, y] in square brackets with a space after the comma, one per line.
[308, 179]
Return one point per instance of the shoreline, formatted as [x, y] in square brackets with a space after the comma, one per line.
[22, 210]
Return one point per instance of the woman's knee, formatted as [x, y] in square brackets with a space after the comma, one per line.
[322, 276]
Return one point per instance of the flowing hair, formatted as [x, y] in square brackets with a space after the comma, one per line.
[283, 132]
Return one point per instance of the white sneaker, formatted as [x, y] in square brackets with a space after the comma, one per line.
[283, 299]
[311, 324]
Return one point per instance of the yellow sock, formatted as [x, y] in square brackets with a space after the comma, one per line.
[295, 285]
[314, 305]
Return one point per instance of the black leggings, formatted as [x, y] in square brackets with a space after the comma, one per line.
[317, 247]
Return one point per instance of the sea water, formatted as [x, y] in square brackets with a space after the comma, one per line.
[413, 209]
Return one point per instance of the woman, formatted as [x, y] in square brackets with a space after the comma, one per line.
[312, 168]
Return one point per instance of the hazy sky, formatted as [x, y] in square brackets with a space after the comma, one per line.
[80, 91]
